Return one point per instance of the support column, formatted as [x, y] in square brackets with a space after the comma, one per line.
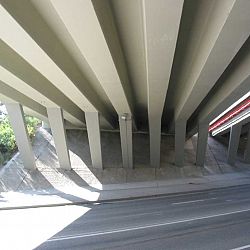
[155, 141]
[94, 136]
[180, 139]
[233, 144]
[201, 144]
[56, 122]
[125, 121]
[247, 150]
[17, 121]
[45, 125]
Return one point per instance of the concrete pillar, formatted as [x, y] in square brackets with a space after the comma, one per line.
[201, 144]
[56, 122]
[155, 141]
[45, 125]
[17, 121]
[180, 138]
[233, 144]
[94, 136]
[125, 121]
[247, 150]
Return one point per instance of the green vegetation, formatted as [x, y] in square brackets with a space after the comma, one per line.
[7, 138]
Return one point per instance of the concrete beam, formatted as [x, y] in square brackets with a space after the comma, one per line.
[106, 59]
[17, 121]
[247, 150]
[7, 94]
[125, 122]
[213, 52]
[94, 136]
[109, 68]
[233, 144]
[56, 122]
[233, 84]
[201, 144]
[20, 75]
[64, 71]
[160, 43]
[215, 49]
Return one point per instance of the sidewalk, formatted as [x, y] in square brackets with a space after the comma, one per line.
[50, 184]
[88, 195]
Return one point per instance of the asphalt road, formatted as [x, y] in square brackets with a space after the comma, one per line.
[217, 219]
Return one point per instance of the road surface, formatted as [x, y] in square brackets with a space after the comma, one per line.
[217, 219]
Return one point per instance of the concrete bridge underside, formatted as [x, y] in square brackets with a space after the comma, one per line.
[124, 66]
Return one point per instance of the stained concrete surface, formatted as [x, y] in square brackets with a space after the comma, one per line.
[49, 175]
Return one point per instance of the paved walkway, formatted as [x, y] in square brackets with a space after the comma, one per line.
[50, 184]
[65, 195]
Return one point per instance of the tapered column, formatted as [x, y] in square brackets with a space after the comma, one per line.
[247, 150]
[233, 144]
[155, 141]
[94, 135]
[56, 122]
[180, 138]
[125, 122]
[201, 144]
[17, 121]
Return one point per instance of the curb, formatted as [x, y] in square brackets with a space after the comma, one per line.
[105, 201]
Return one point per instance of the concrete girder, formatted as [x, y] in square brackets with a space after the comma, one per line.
[106, 57]
[11, 95]
[26, 110]
[18, 74]
[46, 53]
[215, 50]
[234, 83]
[225, 34]
[160, 43]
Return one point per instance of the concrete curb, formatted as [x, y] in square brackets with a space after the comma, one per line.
[129, 198]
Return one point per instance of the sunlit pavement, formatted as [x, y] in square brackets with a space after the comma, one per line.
[28, 228]
[215, 219]
[76, 194]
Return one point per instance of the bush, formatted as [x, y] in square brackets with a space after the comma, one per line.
[7, 138]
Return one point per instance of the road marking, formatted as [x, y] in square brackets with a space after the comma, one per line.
[122, 230]
[240, 248]
[185, 202]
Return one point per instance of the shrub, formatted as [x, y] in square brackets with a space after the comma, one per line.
[7, 138]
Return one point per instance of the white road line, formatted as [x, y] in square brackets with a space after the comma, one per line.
[185, 202]
[122, 230]
[243, 247]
